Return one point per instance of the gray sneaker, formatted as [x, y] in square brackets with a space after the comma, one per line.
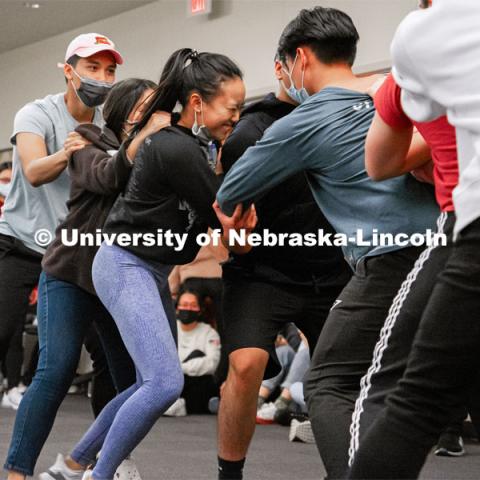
[301, 432]
[127, 471]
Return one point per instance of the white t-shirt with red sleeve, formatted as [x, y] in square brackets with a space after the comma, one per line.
[439, 135]
[436, 62]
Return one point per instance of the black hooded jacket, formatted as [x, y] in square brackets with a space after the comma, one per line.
[287, 208]
[171, 189]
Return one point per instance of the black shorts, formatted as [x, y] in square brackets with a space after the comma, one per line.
[255, 310]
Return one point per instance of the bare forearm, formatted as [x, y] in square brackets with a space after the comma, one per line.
[416, 157]
[391, 153]
[157, 121]
[418, 154]
[135, 145]
[46, 169]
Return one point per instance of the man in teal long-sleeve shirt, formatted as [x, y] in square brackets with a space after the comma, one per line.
[324, 137]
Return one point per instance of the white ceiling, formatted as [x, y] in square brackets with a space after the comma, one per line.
[20, 25]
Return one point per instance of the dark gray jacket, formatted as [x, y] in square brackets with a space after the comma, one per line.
[97, 178]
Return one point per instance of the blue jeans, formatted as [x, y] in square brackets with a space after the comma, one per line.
[136, 294]
[298, 367]
[285, 355]
[65, 312]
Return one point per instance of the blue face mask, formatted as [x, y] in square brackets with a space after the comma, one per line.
[298, 95]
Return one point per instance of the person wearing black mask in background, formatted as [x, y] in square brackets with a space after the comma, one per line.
[199, 354]
[5, 178]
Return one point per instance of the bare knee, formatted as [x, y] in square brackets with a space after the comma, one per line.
[247, 366]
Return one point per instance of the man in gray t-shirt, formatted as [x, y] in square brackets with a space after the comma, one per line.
[44, 139]
[32, 205]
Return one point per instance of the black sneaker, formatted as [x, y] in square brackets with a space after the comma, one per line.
[449, 445]
[285, 417]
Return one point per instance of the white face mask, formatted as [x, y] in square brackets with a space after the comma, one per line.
[4, 189]
[201, 131]
[298, 95]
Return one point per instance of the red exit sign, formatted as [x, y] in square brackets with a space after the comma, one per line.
[199, 7]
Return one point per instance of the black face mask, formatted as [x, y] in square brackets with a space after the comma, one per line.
[92, 93]
[188, 316]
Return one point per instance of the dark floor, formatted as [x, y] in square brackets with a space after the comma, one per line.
[184, 449]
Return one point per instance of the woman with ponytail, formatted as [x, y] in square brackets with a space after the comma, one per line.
[166, 204]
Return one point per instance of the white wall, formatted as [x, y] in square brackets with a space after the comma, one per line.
[246, 30]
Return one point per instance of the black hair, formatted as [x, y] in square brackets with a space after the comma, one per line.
[188, 71]
[73, 60]
[424, 4]
[6, 166]
[120, 101]
[192, 291]
[329, 32]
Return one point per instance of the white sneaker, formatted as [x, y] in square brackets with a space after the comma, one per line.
[127, 471]
[60, 471]
[266, 414]
[73, 389]
[22, 388]
[301, 432]
[87, 475]
[12, 398]
[178, 409]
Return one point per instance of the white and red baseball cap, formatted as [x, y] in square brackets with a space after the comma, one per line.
[89, 44]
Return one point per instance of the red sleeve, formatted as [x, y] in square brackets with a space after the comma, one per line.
[388, 105]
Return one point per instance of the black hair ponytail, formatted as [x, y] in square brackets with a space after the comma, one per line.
[186, 71]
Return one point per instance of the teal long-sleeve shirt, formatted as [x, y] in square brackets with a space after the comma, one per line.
[325, 138]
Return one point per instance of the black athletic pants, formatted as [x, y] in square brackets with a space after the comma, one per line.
[443, 371]
[344, 351]
[19, 271]
[396, 338]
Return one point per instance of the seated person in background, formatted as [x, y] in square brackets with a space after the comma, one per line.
[284, 407]
[204, 275]
[199, 353]
[5, 177]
